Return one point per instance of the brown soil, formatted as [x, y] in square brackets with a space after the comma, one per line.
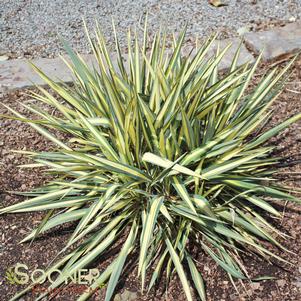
[286, 286]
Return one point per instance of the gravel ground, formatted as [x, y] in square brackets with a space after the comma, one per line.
[30, 28]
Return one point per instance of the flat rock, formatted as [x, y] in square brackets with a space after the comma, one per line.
[17, 74]
[244, 57]
[277, 42]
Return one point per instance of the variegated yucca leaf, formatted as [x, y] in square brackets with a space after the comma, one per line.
[164, 154]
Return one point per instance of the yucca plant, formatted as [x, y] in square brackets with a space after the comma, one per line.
[164, 154]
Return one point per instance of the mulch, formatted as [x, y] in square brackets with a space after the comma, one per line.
[287, 283]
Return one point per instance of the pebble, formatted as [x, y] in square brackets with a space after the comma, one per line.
[292, 19]
[281, 283]
[255, 285]
[298, 282]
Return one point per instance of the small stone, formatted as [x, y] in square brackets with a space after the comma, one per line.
[128, 296]
[298, 282]
[255, 285]
[281, 283]
[242, 30]
[118, 298]
[292, 19]
[125, 295]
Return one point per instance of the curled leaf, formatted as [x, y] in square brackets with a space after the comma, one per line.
[217, 3]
